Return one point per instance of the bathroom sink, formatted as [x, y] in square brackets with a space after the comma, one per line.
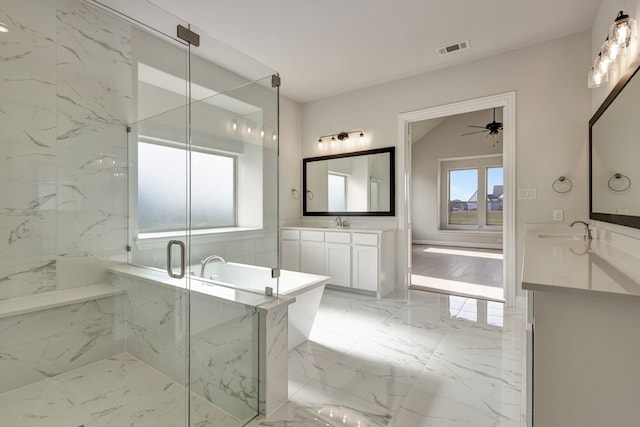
[559, 236]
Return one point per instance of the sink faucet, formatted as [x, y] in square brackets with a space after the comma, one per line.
[339, 222]
[587, 230]
[205, 261]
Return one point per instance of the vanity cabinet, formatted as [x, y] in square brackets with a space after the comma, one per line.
[354, 259]
[337, 250]
[312, 252]
[290, 250]
[583, 315]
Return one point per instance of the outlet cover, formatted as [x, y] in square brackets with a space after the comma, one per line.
[558, 215]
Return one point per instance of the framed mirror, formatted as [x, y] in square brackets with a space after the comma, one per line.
[614, 150]
[350, 184]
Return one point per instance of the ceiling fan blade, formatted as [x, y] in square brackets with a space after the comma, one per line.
[471, 133]
[479, 127]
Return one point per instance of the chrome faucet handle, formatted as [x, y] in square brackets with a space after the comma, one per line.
[587, 229]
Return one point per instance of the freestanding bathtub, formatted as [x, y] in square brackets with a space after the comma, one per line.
[306, 288]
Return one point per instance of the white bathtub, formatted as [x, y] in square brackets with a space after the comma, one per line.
[306, 288]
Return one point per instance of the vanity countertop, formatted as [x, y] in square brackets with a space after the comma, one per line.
[567, 263]
[347, 229]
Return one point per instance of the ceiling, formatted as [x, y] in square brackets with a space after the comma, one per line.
[323, 48]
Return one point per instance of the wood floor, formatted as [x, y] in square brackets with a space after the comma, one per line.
[462, 271]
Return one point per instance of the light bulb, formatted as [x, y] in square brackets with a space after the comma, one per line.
[249, 130]
[610, 49]
[234, 124]
[262, 133]
[275, 136]
[3, 28]
[622, 34]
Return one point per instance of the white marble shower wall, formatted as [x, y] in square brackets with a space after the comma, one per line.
[224, 343]
[28, 163]
[65, 101]
[42, 344]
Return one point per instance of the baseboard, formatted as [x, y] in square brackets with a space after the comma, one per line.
[458, 244]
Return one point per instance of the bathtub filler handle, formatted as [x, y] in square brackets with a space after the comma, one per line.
[205, 261]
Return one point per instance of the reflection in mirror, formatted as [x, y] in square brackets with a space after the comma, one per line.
[360, 183]
[615, 150]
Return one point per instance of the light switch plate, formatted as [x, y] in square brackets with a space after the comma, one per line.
[527, 193]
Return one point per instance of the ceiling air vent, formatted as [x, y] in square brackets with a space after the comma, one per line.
[453, 48]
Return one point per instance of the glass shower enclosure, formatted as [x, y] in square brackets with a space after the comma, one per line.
[139, 166]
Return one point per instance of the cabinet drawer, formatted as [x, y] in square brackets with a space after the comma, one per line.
[337, 237]
[290, 234]
[365, 239]
[312, 236]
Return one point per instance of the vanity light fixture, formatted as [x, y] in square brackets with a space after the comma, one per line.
[620, 35]
[341, 136]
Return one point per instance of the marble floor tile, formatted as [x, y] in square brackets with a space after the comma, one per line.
[420, 360]
[118, 391]
[416, 360]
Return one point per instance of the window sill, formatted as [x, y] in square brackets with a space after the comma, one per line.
[158, 239]
[472, 231]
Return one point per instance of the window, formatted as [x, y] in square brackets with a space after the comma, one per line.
[463, 197]
[162, 189]
[337, 193]
[471, 193]
[495, 185]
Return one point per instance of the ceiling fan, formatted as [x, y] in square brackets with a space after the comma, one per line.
[492, 129]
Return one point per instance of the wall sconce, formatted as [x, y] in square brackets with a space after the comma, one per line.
[341, 136]
[621, 32]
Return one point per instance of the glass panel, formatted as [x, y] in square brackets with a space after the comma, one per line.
[495, 184]
[463, 197]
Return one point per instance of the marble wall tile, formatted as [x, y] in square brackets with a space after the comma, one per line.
[274, 359]
[27, 148]
[94, 102]
[224, 347]
[46, 343]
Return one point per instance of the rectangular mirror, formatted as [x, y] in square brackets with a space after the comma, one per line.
[614, 152]
[350, 184]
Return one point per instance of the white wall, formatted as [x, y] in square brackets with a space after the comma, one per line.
[445, 142]
[552, 111]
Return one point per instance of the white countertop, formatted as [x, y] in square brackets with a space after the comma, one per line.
[567, 263]
[334, 228]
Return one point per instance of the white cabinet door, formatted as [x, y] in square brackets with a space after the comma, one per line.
[338, 263]
[312, 257]
[290, 255]
[365, 268]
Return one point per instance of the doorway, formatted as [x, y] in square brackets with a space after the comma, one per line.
[505, 102]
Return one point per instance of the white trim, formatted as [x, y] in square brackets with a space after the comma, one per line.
[458, 244]
[508, 102]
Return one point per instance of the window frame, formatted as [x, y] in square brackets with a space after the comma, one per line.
[481, 163]
[150, 233]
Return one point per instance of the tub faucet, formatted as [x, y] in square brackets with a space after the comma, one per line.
[205, 261]
[339, 222]
[587, 230]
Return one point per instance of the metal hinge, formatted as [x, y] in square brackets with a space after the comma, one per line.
[275, 80]
[128, 129]
[128, 248]
[189, 36]
[275, 273]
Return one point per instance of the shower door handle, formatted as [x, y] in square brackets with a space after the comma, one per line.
[182, 259]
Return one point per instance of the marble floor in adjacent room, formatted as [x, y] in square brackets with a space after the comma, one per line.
[116, 392]
[434, 360]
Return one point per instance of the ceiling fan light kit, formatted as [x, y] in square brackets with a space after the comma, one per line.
[492, 129]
